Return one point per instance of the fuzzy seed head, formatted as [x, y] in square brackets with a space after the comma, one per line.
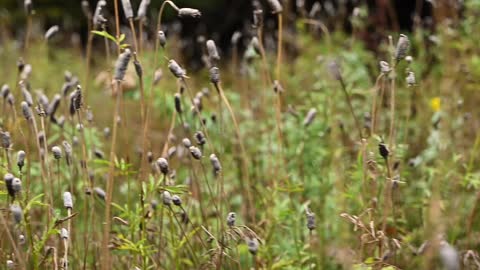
[383, 150]
[8, 178]
[189, 13]
[122, 65]
[68, 152]
[217, 167]
[86, 9]
[200, 138]
[384, 67]
[10, 99]
[138, 68]
[309, 117]
[334, 70]
[231, 218]
[214, 75]
[310, 220]
[10, 264]
[196, 152]
[127, 9]
[178, 103]
[57, 152]
[51, 32]
[236, 37]
[76, 100]
[252, 244]
[106, 132]
[166, 198]
[53, 106]
[27, 112]
[142, 9]
[275, 6]
[21, 159]
[212, 51]
[403, 46]
[67, 200]
[98, 18]
[162, 38]
[27, 4]
[176, 200]
[64, 233]
[26, 94]
[100, 193]
[17, 213]
[411, 79]
[186, 142]
[162, 164]
[257, 18]
[176, 70]
[5, 91]
[16, 185]
[6, 140]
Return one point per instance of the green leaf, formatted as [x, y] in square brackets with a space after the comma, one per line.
[105, 34]
[121, 38]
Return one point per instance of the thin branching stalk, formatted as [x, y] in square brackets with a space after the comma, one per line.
[350, 106]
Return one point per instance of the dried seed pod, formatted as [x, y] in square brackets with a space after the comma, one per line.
[236, 37]
[16, 185]
[310, 220]
[383, 150]
[6, 139]
[122, 64]
[214, 75]
[176, 200]
[75, 100]
[275, 6]
[334, 70]
[231, 218]
[310, 117]
[409, 59]
[57, 152]
[64, 233]
[127, 9]
[176, 70]
[200, 138]
[106, 132]
[98, 17]
[17, 213]
[212, 51]
[21, 159]
[42, 100]
[5, 91]
[100, 193]
[178, 103]
[67, 200]
[196, 153]
[138, 68]
[171, 151]
[8, 178]
[411, 79]
[99, 153]
[166, 198]
[27, 4]
[217, 167]
[162, 38]
[402, 47]
[186, 142]
[189, 13]
[252, 244]
[27, 112]
[53, 106]
[68, 152]
[384, 67]
[10, 99]
[277, 87]
[142, 9]
[86, 9]
[10, 264]
[51, 32]
[162, 164]
[26, 94]
[257, 18]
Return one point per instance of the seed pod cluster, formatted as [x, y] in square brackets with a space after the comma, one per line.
[122, 64]
[57, 152]
[86, 9]
[334, 70]
[384, 67]
[252, 244]
[17, 213]
[178, 103]
[310, 220]
[76, 100]
[200, 138]
[64, 233]
[383, 150]
[6, 140]
[212, 51]
[257, 18]
[16, 185]
[166, 198]
[142, 9]
[275, 6]
[176, 200]
[98, 17]
[411, 81]
[68, 152]
[8, 179]
[51, 32]
[100, 193]
[162, 38]
[214, 75]
[186, 142]
[5, 91]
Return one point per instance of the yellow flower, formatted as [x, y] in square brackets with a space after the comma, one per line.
[435, 104]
